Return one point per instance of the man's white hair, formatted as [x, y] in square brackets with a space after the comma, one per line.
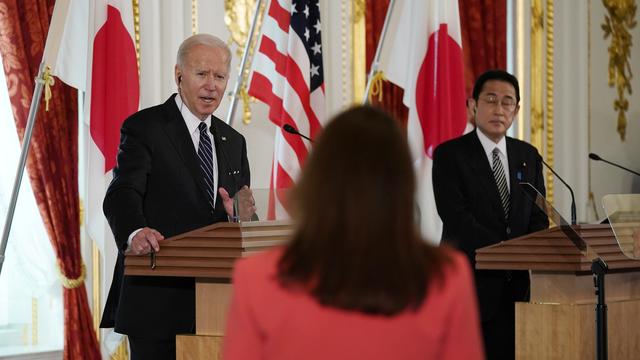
[201, 39]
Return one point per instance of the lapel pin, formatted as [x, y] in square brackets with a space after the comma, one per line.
[224, 138]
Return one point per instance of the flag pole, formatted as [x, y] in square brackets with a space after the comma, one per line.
[26, 142]
[243, 62]
[376, 59]
[50, 54]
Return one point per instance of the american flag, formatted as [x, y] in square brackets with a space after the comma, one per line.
[287, 75]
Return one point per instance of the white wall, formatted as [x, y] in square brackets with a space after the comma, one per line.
[603, 137]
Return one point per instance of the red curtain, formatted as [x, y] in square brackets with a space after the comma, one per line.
[53, 159]
[484, 44]
[484, 37]
[392, 94]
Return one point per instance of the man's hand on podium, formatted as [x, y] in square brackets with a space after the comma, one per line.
[145, 241]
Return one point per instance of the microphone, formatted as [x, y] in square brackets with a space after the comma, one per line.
[573, 199]
[291, 130]
[214, 132]
[595, 157]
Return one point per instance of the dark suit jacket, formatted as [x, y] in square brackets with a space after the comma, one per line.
[157, 183]
[469, 204]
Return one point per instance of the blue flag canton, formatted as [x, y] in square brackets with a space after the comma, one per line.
[305, 21]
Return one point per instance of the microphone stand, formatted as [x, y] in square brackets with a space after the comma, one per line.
[595, 157]
[574, 219]
[599, 269]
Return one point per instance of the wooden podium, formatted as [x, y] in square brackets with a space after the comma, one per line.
[208, 254]
[559, 320]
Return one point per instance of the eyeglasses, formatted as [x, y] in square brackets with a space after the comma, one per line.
[508, 103]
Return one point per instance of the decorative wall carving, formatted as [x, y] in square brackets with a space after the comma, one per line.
[617, 26]
[238, 15]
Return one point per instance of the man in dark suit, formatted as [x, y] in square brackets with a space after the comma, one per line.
[475, 180]
[177, 167]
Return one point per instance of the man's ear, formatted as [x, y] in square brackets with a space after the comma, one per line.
[472, 105]
[178, 75]
[515, 112]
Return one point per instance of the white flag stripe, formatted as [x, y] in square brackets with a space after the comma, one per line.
[298, 53]
[286, 156]
[285, 4]
[317, 105]
[271, 30]
[291, 102]
[71, 37]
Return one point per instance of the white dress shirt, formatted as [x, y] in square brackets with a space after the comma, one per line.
[488, 145]
[192, 123]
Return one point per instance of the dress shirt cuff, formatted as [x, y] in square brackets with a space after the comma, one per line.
[131, 238]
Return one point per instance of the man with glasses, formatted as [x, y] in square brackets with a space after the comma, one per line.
[475, 182]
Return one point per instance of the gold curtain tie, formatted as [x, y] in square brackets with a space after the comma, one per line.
[376, 85]
[72, 283]
[47, 81]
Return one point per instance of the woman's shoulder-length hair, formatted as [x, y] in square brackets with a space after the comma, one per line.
[356, 245]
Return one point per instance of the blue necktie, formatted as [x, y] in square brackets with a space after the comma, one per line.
[205, 154]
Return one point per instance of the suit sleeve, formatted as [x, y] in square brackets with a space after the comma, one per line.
[451, 202]
[242, 339]
[538, 219]
[123, 203]
[463, 320]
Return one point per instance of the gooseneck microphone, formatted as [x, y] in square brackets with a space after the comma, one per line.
[595, 157]
[291, 130]
[573, 199]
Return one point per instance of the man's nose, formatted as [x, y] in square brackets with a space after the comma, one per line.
[210, 83]
[498, 109]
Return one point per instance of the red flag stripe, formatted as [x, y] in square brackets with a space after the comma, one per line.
[261, 88]
[288, 68]
[280, 14]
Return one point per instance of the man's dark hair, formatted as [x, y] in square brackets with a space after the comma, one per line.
[356, 246]
[499, 75]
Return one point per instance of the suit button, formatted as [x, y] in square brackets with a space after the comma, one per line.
[508, 230]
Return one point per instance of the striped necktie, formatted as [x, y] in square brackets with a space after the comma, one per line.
[501, 181]
[205, 155]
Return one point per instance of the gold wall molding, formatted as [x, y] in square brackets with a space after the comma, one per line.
[616, 26]
[520, 59]
[238, 15]
[136, 29]
[537, 111]
[344, 38]
[194, 17]
[34, 321]
[359, 54]
[122, 351]
[542, 84]
[549, 57]
[96, 283]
